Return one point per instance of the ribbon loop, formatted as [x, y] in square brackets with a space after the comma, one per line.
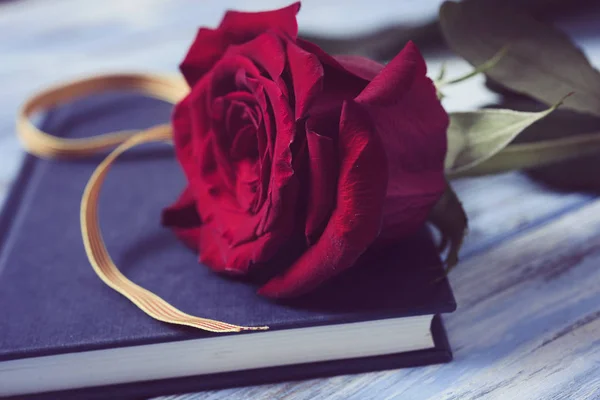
[167, 88]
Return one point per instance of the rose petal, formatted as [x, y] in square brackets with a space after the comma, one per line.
[319, 52]
[323, 172]
[356, 219]
[207, 178]
[246, 25]
[190, 236]
[236, 109]
[223, 80]
[264, 163]
[244, 145]
[211, 250]
[237, 27]
[265, 144]
[307, 77]
[247, 184]
[234, 239]
[183, 218]
[352, 66]
[258, 251]
[266, 50]
[220, 257]
[392, 85]
[360, 66]
[282, 172]
[412, 125]
[185, 151]
[240, 96]
[182, 213]
[214, 177]
[207, 48]
[205, 159]
[339, 84]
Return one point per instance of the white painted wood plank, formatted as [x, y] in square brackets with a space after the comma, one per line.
[501, 206]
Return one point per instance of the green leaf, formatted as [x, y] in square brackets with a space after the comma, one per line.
[489, 64]
[441, 74]
[572, 174]
[476, 136]
[440, 81]
[542, 61]
[537, 154]
[577, 135]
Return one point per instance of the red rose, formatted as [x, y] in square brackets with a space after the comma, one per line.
[279, 140]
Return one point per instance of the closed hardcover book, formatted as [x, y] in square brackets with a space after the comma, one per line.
[64, 334]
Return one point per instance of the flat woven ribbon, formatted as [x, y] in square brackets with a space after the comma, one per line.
[168, 88]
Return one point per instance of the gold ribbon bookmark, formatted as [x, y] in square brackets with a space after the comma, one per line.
[168, 88]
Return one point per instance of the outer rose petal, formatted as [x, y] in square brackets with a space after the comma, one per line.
[307, 77]
[360, 66]
[241, 24]
[266, 50]
[214, 253]
[190, 237]
[182, 138]
[339, 83]
[319, 52]
[183, 218]
[236, 27]
[356, 220]
[412, 125]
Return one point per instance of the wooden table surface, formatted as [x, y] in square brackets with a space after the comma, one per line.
[528, 287]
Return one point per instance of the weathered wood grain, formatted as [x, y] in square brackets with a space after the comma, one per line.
[527, 327]
[528, 288]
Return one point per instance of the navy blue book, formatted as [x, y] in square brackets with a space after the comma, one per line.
[65, 334]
